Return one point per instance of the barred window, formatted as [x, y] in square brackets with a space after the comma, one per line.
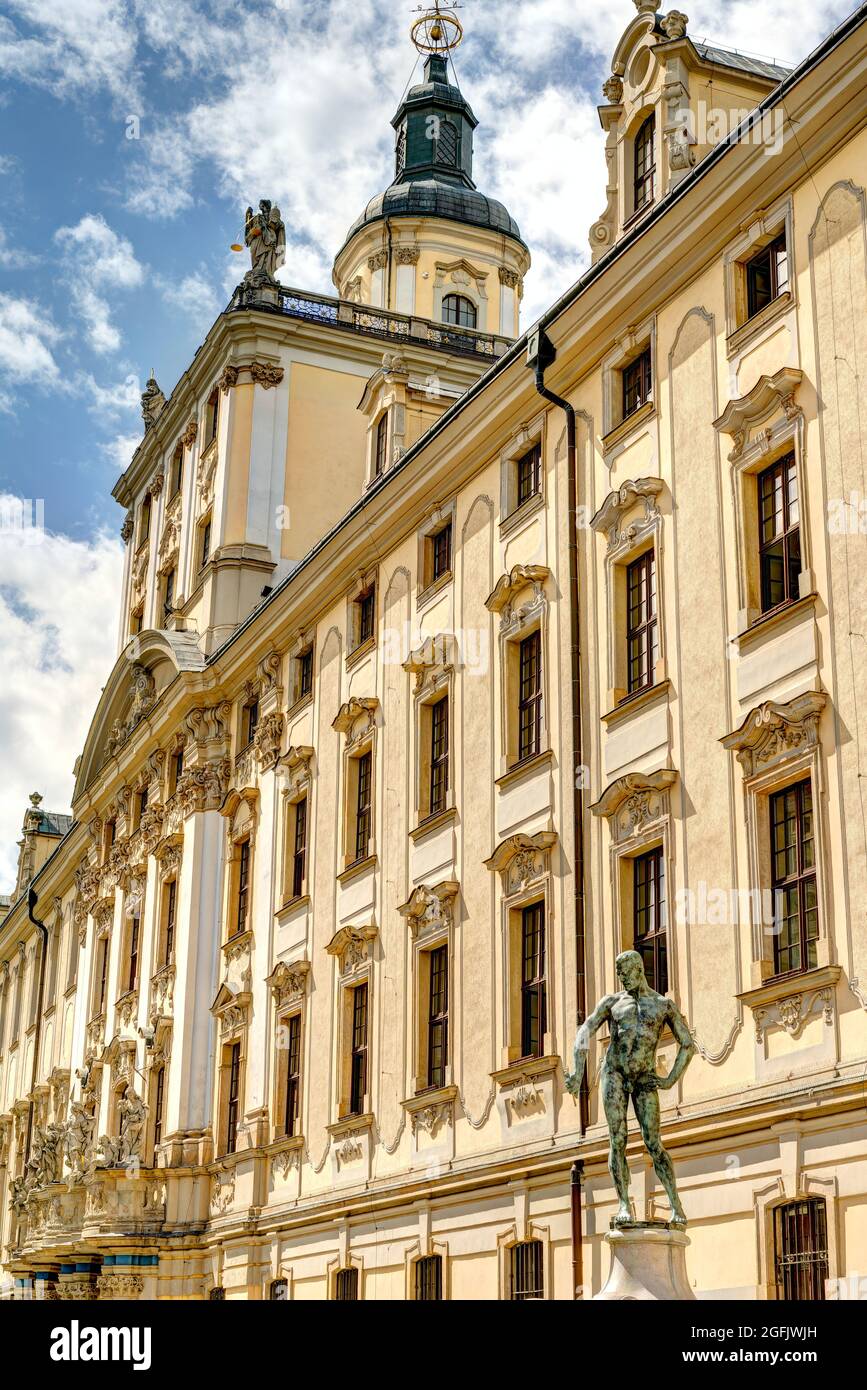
[780, 532]
[429, 1279]
[447, 144]
[642, 637]
[801, 1250]
[645, 164]
[533, 992]
[530, 696]
[526, 1277]
[346, 1286]
[278, 1291]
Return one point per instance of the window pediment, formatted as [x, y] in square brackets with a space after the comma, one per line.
[510, 586]
[352, 946]
[773, 732]
[288, 982]
[771, 396]
[429, 909]
[436, 654]
[620, 503]
[521, 859]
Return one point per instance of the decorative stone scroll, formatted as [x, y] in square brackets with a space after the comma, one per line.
[771, 396]
[635, 801]
[288, 982]
[353, 947]
[774, 732]
[510, 586]
[356, 718]
[522, 859]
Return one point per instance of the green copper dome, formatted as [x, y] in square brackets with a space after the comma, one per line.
[434, 161]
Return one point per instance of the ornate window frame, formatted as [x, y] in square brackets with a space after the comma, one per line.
[526, 877]
[352, 948]
[765, 425]
[519, 1233]
[527, 437]
[522, 604]
[231, 1009]
[430, 914]
[758, 231]
[629, 536]
[241, 812]
[289, 983]
[357, 721]
[441, 516]
[423, 1249]
[433, 667]
[463, 278]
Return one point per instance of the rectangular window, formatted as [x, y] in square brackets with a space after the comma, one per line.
[767, 276]
[299, 853]
[169, 595]
[134, 937]
[204, 543]
[801, 1250]
[159, 1098]
[526, 1276]
[429, 1279]
[529, 474]
[249, 722]
[136, 622]
[141, 805]
[305, 673]
[101, 976]
[530, 696]
[366, 605]
[439, 756]
[363, 806]
[346, 1286]
[171, 899]
[176, 772]
[649, 917]
[358, 1059]
[438, 1018]
[242, 900]
[293, 1073]
[441, 553]
[793, 878]
[234, 1096]
[642, 638]
[533, 994]
[381, 455]
[780, 533]
[637, 384]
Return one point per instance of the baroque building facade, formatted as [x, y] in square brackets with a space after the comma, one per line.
[451, 664]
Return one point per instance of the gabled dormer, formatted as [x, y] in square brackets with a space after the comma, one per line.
[668, 101]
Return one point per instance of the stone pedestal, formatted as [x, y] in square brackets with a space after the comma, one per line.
[648, 1261]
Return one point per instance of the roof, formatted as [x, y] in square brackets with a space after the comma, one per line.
[53, 823]
[743, 62]
[436, 198]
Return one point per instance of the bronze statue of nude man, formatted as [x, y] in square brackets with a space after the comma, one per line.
[636, 1017]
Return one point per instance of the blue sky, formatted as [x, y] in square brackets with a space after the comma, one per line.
[114, 252]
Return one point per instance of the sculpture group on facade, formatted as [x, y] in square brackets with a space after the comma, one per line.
[636, 1017]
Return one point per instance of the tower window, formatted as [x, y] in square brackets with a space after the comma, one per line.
[793, 878]
[649, 921]
[645, 164]
[525, 1274]
[767, 276]
[447, 143]
[459, 310]
[400, 151]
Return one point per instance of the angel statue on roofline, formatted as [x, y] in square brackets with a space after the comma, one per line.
[265, 236]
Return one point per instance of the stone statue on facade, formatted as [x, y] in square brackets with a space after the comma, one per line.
[636, 1017]
[265, 236]
[152, 402]
[79, 1143]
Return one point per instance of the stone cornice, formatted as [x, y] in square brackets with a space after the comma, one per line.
[619, 791]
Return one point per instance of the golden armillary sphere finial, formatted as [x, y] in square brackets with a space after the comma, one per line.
[437, 30]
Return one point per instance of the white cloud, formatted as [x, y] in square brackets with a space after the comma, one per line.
[13, 257]
[71, 47]
[194, 296]
[58, 628]
[118, 398]
[96, 259]
[27, 340]
[118, 452]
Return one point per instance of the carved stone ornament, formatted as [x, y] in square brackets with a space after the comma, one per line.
[635, 801]
[352, 946]
[152, 403]
[430, 909]
[771, 396]
[288, 982]
[296, 765]
[407, 255]
[127, 529]
[510, 278]
[435, 654]
[357, 717]
[773, 732]
[230, 1008]
[268, 673]
[377, 262]
[674, 24]
[190, 435]
[268, 737]
[522, 859]
[430, 1118]
[608, 520]
[510, 585]
[155, 486]
[783, 1005]
[204, 788]
[228, 379]
[266, 375]
[612, 90]
[222, 1190]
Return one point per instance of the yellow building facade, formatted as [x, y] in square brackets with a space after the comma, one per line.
[451, 665]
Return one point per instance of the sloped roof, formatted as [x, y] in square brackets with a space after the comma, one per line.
[53, 823]
[743, 62]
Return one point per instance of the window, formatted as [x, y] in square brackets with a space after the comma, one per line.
[217, 1295]
[242, 890]
[141, 805]
[637, 381]
[381, 447]
[441, 553]
[204, 543]
[642, 638]
[169, 594]
[438, 1018]
[530, 696]
[136, 622]
[447, 143]
[133, 948]
[305, 674]
[212, 417]
[176, 477]
[363, 805]
[249, 721]
[233, 1097]
[292, 1038]
[439, 756]
[109, 835]
[71, 960]
[170, 900]
[101, 982]
[649, 917]
[159, 1100]
[459, 310]
[529, 469]
[144, 521]
[358, 1056]
[780, 534]
[526, 1279]
[346, 1286]
[429, 1279]
[793, 879]
[400, 152]
[366, 609]
[645, 164]
[299, 851]
[801, 1250]
[278, 1291]
[767, 276]
[533, 1000]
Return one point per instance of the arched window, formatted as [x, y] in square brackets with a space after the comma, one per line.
[447, 143]
[278, 1291]
[801, 1249]
[381, 454]
[526, 1277]
[459, 310]
[645, 164]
